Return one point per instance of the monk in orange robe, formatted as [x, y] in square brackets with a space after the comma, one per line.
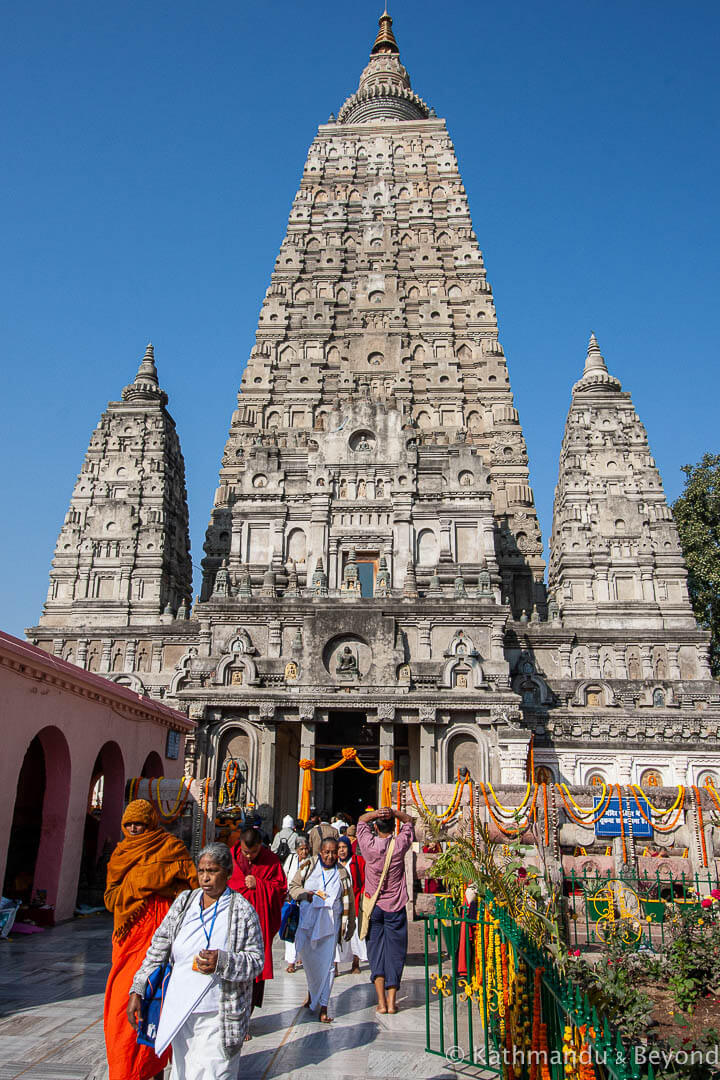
[258, 874]
[147, 870]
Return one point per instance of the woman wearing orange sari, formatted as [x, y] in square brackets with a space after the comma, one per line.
[147, 870]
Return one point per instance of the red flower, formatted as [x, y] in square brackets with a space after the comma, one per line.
[707, 902]
[715, 893]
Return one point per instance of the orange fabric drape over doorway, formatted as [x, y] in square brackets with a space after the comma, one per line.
[349, 753]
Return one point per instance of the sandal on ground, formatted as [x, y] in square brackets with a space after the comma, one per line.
[291, 969]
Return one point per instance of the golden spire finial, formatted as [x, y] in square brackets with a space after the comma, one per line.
[385, 41]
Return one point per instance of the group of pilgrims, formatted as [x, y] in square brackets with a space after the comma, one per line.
[211, 928]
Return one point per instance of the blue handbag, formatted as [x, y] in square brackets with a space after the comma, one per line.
[289, 919]
[152, 1000]
[152, 1003]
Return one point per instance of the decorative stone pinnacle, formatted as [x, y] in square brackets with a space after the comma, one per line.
[595, 361]
[385, 41]
[595, 374]
[147, 372]
[145, 386]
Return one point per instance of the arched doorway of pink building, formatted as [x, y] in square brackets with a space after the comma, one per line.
[37, 835]
[106, 799]
[153, 767]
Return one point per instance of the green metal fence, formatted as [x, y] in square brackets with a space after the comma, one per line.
[497, 1002]
[633, 908]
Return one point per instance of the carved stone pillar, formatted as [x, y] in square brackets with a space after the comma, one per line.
[680, 770]
[620, 663]
[445, 542]
[403, 542]
[130, 653]
[333, 567]
[236, 546]
[513, 747]
[703, 661]
[265, 783]
[81, 657]
[424, 646]
[497, 651]
[603, 588]
[204, 637]
[594, 661]
[673, 654]
[647, 662]
[387, 740]
[647, 580]
[307, 742]
[565, 651]
[274, 639]
[106, 656]
[156, 656]
[428, 754]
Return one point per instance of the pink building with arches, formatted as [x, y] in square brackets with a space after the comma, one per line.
[71, 741]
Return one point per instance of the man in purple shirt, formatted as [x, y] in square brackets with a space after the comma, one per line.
[388, 935]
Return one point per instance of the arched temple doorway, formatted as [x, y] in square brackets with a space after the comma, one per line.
[153, 767]
[102, 823]
[37, 835]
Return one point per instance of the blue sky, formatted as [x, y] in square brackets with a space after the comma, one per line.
[152, 151]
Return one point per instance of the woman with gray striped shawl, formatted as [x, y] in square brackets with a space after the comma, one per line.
[324, 891]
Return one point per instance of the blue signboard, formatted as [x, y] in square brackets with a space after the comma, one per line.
[609, 823]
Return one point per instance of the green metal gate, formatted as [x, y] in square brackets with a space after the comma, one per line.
[495, 1001]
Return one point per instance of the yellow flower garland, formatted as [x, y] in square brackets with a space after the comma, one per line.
[655, 810]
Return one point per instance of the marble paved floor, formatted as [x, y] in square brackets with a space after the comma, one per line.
[51, 999]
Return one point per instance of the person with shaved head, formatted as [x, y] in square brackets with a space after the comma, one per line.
[259, 876]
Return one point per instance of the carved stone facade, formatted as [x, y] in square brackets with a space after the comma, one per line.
[373, 571]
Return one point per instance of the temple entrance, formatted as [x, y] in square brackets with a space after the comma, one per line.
[26, 825]
[102, 823]
[37, 836]
[349, 788]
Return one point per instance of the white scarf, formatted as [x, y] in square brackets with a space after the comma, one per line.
[318, 919]
[187, 988]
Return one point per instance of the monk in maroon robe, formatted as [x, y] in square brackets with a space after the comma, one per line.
[258, 875]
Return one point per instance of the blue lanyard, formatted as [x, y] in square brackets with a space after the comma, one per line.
[215, 915]
[329, 877]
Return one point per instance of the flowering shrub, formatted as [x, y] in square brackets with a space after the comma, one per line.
[691, 957]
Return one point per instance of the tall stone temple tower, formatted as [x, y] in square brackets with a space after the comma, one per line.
[373, 573]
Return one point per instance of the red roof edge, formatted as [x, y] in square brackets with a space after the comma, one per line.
[23, 652]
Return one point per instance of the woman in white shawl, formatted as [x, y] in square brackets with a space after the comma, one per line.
[327, 915]
[355, 949]
[213, 937]
[290, 866]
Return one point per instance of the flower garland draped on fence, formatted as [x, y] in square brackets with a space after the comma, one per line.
[513, 821]
[349, 753]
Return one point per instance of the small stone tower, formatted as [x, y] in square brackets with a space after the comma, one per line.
[615, 552]
[123, 554]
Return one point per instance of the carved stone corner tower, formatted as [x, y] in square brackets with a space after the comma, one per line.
[122, 559]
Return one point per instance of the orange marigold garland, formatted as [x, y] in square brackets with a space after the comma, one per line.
[586, 821]
[679, 802]
[204, 809]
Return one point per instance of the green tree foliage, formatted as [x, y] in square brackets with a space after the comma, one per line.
[697, 515]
